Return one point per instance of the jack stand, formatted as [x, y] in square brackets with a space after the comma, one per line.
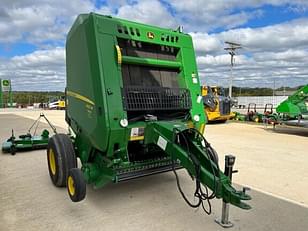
[224, 221]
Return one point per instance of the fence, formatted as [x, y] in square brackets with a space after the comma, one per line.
[260, 100]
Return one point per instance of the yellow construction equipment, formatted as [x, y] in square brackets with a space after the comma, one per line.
[58, 104]
[217, 106]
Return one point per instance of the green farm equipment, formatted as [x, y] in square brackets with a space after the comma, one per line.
[294, 110]
[295, 106]
[28, 141]
[238, 116]
[252, 114]
[135, 107]
[269, 117]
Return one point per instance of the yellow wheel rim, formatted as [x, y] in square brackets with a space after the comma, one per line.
[52, 161]
[257, 120]
[71, 186]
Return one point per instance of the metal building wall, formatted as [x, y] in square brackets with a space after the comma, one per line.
[260, 100]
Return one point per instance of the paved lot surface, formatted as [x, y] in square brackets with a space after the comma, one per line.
[273, 161]
[28, 200]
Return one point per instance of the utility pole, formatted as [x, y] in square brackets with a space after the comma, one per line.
[273, 101]
[232, 47]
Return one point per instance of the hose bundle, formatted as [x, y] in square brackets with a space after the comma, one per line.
[202, 196]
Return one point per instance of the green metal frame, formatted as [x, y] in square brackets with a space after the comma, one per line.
[220, 184]
[28, 141]
[25, 142]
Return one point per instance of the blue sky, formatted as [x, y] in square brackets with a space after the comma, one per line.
[269, 15]
[274, 34]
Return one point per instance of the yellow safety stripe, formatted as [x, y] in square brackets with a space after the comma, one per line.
[202, 128]
[119, 54]
[133, 138]
[80, 97]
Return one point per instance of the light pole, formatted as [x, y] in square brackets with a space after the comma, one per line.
[231, 50]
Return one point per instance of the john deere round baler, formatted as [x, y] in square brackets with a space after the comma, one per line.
[135, 107]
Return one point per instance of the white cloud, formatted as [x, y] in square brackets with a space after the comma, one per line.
[38, 21]
[272, 52]
[285, 68]
[40, 70]
[269, 53]
[278, 37]
[204, 43]
[204, 15]
[288, 55]
[148, 11]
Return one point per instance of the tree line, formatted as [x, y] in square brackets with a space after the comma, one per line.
[259, 91]
[30, 97]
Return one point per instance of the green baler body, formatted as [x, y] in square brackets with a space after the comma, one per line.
[132, 93]
[95, 79]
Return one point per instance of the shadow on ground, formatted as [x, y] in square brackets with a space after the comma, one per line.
[279, 129]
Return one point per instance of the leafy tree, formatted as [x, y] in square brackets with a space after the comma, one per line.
[30, 97]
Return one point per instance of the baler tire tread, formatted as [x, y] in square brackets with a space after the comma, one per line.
[13, 150]
[79, 185]
[70, 151]
[52, 146]
[68, 155]
[65, 158]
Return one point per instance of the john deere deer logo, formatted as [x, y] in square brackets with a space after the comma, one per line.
[150, 35]
[5, 83]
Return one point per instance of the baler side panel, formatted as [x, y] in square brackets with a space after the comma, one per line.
[112, 82]
[83, 89]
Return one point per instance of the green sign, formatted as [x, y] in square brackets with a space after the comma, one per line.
[6, 85]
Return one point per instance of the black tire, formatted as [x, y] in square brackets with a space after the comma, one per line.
[76, 185]
[213, 155]
[13, 150]
[61, 148]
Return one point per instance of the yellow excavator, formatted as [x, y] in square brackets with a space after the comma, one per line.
[217, 106]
